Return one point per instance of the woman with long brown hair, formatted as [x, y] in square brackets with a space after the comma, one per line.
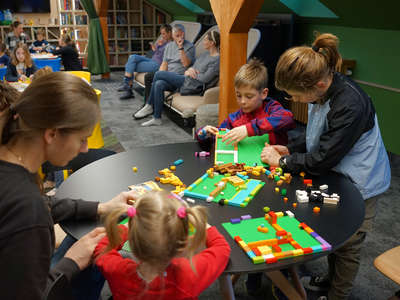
[50, 121]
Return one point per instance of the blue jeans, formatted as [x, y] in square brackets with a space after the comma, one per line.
[138, 63]
[163, 81]
[87, 285]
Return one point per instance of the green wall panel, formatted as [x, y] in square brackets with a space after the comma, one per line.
[387, 105]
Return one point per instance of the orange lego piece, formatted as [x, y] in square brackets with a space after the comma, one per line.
[316, 209]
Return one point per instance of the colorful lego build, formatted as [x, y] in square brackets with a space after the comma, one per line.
[246, 151]
[237, 190]
[274, 237]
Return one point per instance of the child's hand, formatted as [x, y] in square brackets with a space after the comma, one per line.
[30, 77]
[23, 78]
[210, 129]
[235, 135]
[271, 156]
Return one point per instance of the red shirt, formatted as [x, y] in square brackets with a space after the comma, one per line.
[179, 280]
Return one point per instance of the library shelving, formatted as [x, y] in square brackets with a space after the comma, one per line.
[74, 21]
[132, 25]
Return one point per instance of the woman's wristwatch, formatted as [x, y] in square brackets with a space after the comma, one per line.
[282, 162]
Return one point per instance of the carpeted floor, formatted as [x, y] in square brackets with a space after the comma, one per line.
[369, 284]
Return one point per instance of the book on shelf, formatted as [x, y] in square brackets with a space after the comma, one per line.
[121, 19]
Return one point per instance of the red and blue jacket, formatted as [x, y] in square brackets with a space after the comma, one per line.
[269, 118]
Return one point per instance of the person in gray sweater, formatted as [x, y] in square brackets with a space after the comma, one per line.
[193, 82]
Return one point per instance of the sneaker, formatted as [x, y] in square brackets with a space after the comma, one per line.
[145, 111]
[123, 87]
[127, 95]
[316, 283]
[152, 122]
[322, 298]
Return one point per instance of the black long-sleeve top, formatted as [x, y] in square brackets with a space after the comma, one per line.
[12, 73]
[69, 57]
[351, 114]
[27, 234]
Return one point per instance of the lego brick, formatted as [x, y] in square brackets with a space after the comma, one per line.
[279, 214]
[235, 220]
[245, 217]
[265, 250]
[250, 254]
[256, 251]
[307, 250]
[258, 259]
[298, 252]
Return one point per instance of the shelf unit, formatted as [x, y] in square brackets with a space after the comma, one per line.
[52, 33]
[132, 24]
[74, 20]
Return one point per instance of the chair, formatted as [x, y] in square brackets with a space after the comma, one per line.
[192, 30]
[388, 263]
[82, 74]
[3, 71]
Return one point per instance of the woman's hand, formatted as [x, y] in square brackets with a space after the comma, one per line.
[235, 135]
[282, 150]
[191, 73]
[120, 201]
[81, 252]
[270, 156]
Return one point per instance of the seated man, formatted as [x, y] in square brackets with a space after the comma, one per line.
[178, 56]
[138, 63]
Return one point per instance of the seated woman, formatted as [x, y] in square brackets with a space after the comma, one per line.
[29, 138]
[21, 66]
[138, 63]
[193, 82]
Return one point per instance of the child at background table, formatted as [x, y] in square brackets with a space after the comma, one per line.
[164, 234]
[257, 115]
[69, 53]
[4, 59]
[21, 67]
[40, 45]
[342, 135]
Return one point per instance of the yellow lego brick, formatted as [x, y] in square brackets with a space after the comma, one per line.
[244, 204]
[258, 168]
[198, 181]
[255, 173]
[258, 259]
[242, 244]
[308, 230]
[256, 189]
[247, 199]
[277, 190]
[189, 188]
[298, 252]
[279, 214]
[282, 177]
[265, 250]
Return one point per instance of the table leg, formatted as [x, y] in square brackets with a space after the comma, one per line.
[226, 288]
[296, 281]
[285, 286]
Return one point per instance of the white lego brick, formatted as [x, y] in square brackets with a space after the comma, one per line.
[290, 214]
[323, 187]
[190, 200]
[302, 198]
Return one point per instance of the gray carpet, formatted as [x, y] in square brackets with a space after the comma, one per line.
[369, 284]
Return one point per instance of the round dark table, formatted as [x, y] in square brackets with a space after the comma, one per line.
[105, 178]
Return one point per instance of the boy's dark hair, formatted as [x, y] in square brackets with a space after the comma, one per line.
[253, 74]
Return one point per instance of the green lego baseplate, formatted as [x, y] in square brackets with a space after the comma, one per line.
[285, 238]
[235, 196]
[248, 150]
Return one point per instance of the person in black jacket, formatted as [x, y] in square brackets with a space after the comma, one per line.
[342, 135]
[21, 67]
[69, 54]
[51, 121]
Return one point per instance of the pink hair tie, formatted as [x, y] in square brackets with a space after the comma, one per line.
[131, 212]
[181, 212]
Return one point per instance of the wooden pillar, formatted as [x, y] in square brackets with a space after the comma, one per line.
[101, 9]
[234, 19]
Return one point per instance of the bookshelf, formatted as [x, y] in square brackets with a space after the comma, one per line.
[74, 21]
[132, 24]
[52, 33]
